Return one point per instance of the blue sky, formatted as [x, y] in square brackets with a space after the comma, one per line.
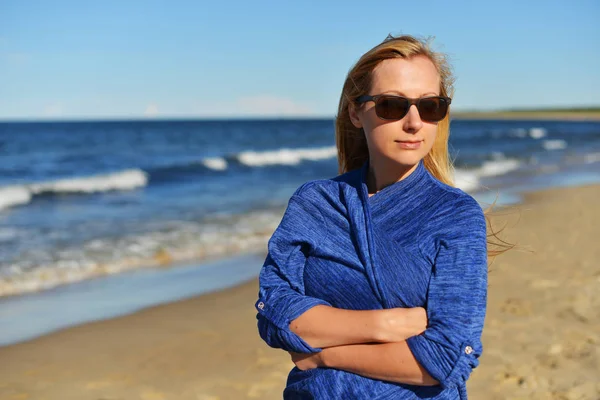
[187, 59]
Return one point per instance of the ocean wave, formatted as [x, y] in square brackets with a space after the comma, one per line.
[246, 159]
[498, 167]
[285, 156]
[215, 163]
[556, 144]
[466, 180]
[537, 133]
[181, 242]
[592, 158]
[534, 133]
[168, 242]
[470, 179]
[517, 132]
[11, 196]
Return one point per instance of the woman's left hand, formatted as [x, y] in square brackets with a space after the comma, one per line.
[307, 361]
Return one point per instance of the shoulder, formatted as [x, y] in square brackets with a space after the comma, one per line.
[318, 190]
[454, 211]
[457, 222]
[450, 198]
[313, 190]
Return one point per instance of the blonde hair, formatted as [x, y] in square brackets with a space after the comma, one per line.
[351, 142]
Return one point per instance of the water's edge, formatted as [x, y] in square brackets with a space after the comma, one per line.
[30, 316]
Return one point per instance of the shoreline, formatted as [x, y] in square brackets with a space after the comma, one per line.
[32, 315]
[540, 338]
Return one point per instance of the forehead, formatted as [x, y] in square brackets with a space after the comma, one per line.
[411, 77]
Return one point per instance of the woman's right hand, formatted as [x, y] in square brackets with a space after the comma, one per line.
[398, 324]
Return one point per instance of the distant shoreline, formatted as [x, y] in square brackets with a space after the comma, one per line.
[529, 115]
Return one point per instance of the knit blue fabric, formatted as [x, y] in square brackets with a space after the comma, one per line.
[415, 243]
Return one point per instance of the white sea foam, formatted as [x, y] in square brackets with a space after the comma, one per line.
[591, 158]
[11, 196]
[518, 132]
[186, 241]
[285, 156]
[537, 133]
[466, 180]
[556, 144]
[216, 163]
[7, 234]
[498, 167]
[469, 180]
[123, 180]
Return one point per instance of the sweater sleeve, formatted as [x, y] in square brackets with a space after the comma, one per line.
[456, 300]
[281, 297]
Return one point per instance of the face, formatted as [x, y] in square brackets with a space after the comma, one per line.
[408, 140]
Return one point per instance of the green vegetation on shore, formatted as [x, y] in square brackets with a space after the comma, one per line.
[574, 113]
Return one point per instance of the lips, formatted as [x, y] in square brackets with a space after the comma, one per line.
[409, 144]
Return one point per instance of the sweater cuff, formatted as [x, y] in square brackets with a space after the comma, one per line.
[450, 365]
[283, 311]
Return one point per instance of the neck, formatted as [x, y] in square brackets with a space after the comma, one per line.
[383, 173]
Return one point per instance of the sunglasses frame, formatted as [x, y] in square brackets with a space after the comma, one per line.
[365, 97]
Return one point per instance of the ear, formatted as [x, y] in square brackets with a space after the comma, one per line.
[353, 113]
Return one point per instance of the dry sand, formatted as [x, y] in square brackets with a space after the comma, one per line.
[541, 339]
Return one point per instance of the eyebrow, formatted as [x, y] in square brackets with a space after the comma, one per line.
[402, 94]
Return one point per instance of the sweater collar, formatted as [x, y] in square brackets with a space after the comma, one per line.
[395, 190]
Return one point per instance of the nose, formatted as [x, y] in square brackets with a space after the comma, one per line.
[412, 120]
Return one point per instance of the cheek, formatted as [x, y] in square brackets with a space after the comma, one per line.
[429, 135]
[370, 121]
[380, 136]
[376, 132]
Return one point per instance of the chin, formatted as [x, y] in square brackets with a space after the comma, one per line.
[408, 160]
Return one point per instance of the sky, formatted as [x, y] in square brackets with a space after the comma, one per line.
[71, 60]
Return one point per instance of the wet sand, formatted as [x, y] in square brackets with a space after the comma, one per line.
[541, 339]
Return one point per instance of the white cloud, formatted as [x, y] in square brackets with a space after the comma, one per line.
[55, 109]
[269, 105]
[17, 59]
[248, 106]
[151, 110]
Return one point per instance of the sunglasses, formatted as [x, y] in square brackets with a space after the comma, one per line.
[392, 108]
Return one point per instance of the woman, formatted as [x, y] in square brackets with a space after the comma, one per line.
[376, 280]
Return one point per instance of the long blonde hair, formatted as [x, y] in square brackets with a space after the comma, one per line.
[351, 142]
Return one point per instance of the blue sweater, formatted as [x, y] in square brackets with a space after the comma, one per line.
[415, 243]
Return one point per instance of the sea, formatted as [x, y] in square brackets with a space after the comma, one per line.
[84, 199]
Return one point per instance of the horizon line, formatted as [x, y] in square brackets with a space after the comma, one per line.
[166, 118]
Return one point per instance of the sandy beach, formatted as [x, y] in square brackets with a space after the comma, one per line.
[541, 340]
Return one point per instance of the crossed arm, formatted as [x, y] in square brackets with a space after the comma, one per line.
[369, 343]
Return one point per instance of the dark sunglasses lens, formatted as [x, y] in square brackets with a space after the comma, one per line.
[433, 109]
[391, 107]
